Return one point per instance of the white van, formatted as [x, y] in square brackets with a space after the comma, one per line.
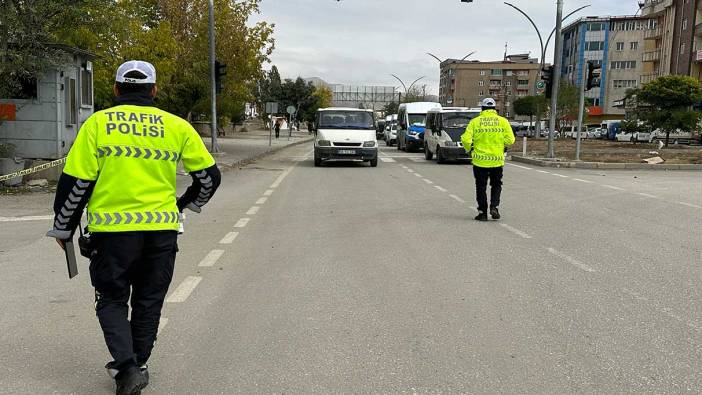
[411, 118]
[346, 134]
[445, 126]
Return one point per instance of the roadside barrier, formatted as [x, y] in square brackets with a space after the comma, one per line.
[32, 170]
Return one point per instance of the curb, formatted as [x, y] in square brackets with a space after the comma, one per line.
[602, 165]
[243, 162]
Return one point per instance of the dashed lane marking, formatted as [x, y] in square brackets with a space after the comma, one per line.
[242, 222]
[456, 198]
[521, 167]
[268, 192]
[184, 290]
[405, 167]
[559, 175]
[409, 170]
[571, 260]
[613, 187]
[440, 188]
[211, 258]
[387, 160]
[261, 200]
[27, 218]
[516, 231]
[689, 205]
[162, 324]
[647, 195]
[581, 180]
[418, 175]
[253, 210]
[427, 181]
[280, 178]
[417, 160]
[229, 238]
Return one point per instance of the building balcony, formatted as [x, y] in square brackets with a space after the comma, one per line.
[655, 7]
[698, 56]
[652, 34]
[652, 56]
[646, 78]
[698, 29]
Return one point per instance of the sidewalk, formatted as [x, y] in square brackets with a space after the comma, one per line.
[246, 147]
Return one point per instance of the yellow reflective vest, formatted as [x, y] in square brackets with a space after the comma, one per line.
[132, 153]
[488, 134]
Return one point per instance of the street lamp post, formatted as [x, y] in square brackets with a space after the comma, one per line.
[557, 58]
[407, 90]
[213, 125]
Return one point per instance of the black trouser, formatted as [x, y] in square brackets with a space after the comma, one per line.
[277, 132]
[140, 263]
[482, 174]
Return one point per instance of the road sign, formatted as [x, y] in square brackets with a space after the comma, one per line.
[291, 110]
[541, 85]
[271, 108]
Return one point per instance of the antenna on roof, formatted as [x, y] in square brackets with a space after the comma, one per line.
[505, 51]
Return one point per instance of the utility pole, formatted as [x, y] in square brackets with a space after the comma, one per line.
[581, 110]
[557, 78]
[213, 125]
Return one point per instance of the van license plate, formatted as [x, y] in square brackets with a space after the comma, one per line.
[347, 152]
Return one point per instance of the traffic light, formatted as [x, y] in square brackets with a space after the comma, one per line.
[594, 76]
[547, 76]
[220, 71]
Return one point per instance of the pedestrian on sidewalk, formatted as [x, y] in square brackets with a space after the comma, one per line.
[124, 163]
[278, 124]
[488, 136]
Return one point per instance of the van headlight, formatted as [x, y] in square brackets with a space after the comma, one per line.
[451, 144]
[324, 143]
[369, 144]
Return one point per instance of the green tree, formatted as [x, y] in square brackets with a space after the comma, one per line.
[667, 104]
[391, 108]
[568, 102]
[321, 98]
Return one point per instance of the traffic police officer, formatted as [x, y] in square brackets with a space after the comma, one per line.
[123, 167]
[488, 135]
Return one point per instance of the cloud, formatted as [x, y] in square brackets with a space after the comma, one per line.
[364, 41]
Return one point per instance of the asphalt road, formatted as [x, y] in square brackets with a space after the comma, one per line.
[351, 279]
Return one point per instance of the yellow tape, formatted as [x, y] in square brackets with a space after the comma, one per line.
[32, 170]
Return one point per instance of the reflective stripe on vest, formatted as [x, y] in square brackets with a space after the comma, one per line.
[489, 158]
[148, 217]
[137, 152]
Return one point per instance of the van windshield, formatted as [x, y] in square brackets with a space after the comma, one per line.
[346, 120]
[458, 119]
[417, 119]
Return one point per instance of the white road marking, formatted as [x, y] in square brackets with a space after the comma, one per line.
[613, 187]
[544, 171]
[521, 167]
[571, 260]
[27, 218]
[418, 175]
[184, 290]
[516, 231]
[280, 178]
[253, 210]
[689, 205]
[405, 167]
[427, 181]
[229, 238]
[559, 175]
[261, 200]
[647, 195]
[409, 170]
[210, 259]
[242, 222]
[162, 324]
[473, 208]
[581, 180]
[440, 188]
[417, 160]
[456, 198]
[387, 160]
[665, 310]
[268, 192]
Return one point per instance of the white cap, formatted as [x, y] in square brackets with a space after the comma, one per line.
[489, 103]
[145, 68]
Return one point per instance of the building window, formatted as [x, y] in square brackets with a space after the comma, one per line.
[482, 72]
[482, 93]
[496, 72]
[634, 46]
[620, 46]
[508, 73]
[623, 64]
[508, 83]
[27, 89]
[624, 83]
[594, 45]
[684, 25]
[86, 88]
[71, 102]
[507, 114]
[682, 49]
[481, 83]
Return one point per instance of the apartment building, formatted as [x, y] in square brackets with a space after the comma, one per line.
[617, 44]
[467, 83]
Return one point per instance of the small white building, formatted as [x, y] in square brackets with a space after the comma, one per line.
[42, 121]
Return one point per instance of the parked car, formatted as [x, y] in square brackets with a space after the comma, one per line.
[444, 129]
[624, 137]
[346, 134]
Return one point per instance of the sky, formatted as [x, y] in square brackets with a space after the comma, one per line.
[362, 42]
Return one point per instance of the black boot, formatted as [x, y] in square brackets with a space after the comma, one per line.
[495, 213]
[130, 381]
[482, 216]
[145, 371]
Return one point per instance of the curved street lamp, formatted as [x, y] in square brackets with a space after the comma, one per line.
[441, 61]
